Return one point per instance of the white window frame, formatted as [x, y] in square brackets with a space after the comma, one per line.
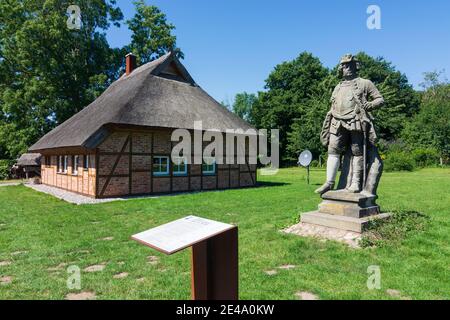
[161, 174]
[209, 172]
[66, 164]
[60, 164]
[86, 162]
[75, 165]
[176, 162]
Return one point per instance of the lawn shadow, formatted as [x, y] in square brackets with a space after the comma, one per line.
[261, 184]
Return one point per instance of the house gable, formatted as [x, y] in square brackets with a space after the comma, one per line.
[172, 69]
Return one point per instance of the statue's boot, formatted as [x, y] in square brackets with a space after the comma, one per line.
[357, 168]
[332, 169]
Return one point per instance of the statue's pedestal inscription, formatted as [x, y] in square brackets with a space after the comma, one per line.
[344, 210]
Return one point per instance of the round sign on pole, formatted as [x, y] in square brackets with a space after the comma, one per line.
[305, 158]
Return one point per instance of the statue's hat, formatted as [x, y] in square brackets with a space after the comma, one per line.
[348, 58]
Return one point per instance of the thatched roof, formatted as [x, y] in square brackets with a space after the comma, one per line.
[158, 94]
[29, 159]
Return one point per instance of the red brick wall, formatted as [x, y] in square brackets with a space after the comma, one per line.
[125, 168]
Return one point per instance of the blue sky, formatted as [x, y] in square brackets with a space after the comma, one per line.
[231, 46]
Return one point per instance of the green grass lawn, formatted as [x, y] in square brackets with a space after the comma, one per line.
[38, 232]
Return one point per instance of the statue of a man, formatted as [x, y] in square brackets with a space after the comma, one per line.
[348, 129]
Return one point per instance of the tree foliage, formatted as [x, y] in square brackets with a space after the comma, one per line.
[290, 87]
[49, 72]
[430, 128]
[243, 105]
[152, 35]
[298, 93]
[401, 101]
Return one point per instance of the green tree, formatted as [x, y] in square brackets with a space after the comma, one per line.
[402, 102]
[305, 131]
[289, 88]
[48, 72]
[243, 105]
[430, 128]
[152, 34]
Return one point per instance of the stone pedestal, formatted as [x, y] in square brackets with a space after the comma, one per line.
[344, 210]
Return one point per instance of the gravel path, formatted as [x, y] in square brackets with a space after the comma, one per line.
[74, 197]
[309, 230]
[10, 184]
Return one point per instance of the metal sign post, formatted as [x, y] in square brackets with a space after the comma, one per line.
[214, 274]
[304, 160]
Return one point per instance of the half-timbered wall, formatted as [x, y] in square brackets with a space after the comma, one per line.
[83, 182]
[125, 167]
[122, 165]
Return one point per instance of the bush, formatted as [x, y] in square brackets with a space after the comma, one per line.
[314, 164]
[399, 161]
[5, 167]
[425, 157]
[394, 230]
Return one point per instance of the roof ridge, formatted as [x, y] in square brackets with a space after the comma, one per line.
[155, 63]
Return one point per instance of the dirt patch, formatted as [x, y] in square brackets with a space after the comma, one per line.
[271, 272]
[58, 267]
[397, 294]
[304, 295]
[352, 239]
[5, 280]
[153, 260]
[5, 263]
[82, 252]
[140, 280]
[121, 275]
[96, 267]
[16, 253]
[108, 239]
[86, 295]
[287, 267]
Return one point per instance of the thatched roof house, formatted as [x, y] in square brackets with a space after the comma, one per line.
[134, 118]
[158, 94]
[29, 160]
[28, 165]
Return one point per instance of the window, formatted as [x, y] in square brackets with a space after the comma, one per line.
[60, 164]
[86, 162]
[75, 165]
[209, 165]
[66, 160]
[48, 162]
[160, 166]
[179, 166]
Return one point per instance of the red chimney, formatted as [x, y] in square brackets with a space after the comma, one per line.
[130, 63]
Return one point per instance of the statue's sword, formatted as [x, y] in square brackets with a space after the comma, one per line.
[362, 117]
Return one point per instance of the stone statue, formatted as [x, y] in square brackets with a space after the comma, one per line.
[348, 131]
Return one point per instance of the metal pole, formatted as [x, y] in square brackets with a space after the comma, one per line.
[364, 158]
[307, 169]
